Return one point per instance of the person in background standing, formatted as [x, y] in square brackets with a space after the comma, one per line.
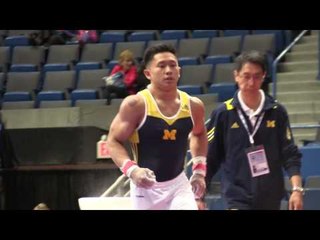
[250, 138]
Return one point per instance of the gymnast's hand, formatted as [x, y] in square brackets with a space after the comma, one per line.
[143, 177]
[198, 185]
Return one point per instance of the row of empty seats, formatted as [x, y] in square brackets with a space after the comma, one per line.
[308, 182]
[190, 51]
[210, 51]
[210, 101]
[58, 104]
[58, 85]
[283, 37]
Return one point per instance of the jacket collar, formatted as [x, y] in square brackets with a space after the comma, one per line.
[269, 102]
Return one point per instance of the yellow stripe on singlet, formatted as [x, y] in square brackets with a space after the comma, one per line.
[134, 140]
[153, 110]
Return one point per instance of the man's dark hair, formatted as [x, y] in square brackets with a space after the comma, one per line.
[153, 50]
[254, 57]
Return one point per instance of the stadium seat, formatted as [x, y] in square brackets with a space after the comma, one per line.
[27, 58]
[174, 34]
[205, 33]
[18, 105]
[311, 199]
[141, 36]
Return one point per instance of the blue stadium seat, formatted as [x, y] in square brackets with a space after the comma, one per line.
[96, 53]
[27, 58]
[141, 36]
[137, 48]
[217, 59]
[173, 42]
[4, 58]
[225, 91]
[87, 66]
[21, 86]
[228, 33]
[62, 55]
[310, 161]
[193, 47]
[83, 94]
[16, 96]
[312, 182]
[311, 199]
[225, 46]
[196, 75]
[92, 79]
[191, 89]
[49, 96]
[113, 37]
[55, 67]
[16, 41]
[279, 36]
[55, 104]
[18, 105]
[205, 33]
[111, 64]
[62, 81]
[223, 81]
[173, 34]
[23, 68]
[188, 61]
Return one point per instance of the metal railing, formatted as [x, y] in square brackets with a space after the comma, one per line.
[276, 61]
[304, 126]
[274, 76]
[114, 186]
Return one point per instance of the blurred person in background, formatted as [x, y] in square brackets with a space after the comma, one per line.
[123, 77]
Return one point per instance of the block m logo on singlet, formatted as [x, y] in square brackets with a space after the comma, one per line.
[169, 135]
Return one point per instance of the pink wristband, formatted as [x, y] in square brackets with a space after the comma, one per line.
[199, 168]
[128, 164]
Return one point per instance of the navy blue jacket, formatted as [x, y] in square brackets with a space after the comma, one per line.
[228, 140]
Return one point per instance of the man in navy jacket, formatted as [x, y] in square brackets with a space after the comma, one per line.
[251, 140]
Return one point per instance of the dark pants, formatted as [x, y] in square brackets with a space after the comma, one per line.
[115, 92]
[258, 204]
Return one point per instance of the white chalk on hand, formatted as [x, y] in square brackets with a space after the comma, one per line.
[150, 176]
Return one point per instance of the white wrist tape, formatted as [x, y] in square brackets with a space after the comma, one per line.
[130, 170]
[199, 159]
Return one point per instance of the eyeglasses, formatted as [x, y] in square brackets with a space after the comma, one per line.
[247, 77]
